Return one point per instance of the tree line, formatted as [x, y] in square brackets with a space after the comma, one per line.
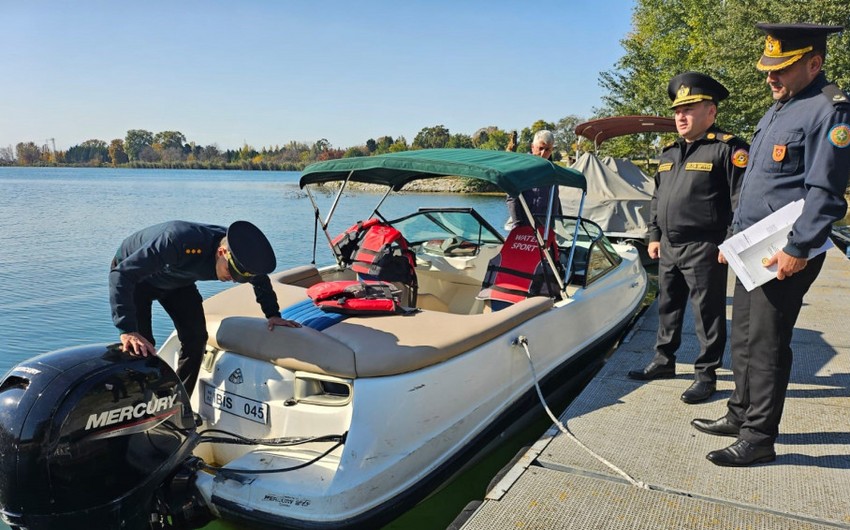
[667, 37]
[170, 149]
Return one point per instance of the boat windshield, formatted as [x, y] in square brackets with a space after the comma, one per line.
[461, 224]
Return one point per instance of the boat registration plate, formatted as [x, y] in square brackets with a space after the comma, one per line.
[247, 408]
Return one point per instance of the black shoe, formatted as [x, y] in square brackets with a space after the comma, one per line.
[698, 391]
[653, 371]
[742, 453]
[718, 427]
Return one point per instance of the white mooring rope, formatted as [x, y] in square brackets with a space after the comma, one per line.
[523, 341]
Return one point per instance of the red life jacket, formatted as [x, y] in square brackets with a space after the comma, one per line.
[520, 269]
[376, 250]
[357, 297]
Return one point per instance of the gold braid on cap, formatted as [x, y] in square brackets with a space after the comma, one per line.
[773, 50]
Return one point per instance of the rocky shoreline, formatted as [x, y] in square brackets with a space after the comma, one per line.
[433, 185]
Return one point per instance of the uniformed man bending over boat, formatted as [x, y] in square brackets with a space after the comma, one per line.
[163, 262]
[696, 188]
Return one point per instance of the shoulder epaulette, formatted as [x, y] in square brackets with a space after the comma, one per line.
[835, 95]
[668, 146]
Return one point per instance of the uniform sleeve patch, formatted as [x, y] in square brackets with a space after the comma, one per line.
[665, 167]
[740, 158]
[839, 136]
[698, 166]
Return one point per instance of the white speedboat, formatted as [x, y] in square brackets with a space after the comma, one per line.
[351, 419]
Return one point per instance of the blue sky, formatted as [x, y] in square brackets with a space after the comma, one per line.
[266, 73]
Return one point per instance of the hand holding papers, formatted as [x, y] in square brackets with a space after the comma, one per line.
[748, 251]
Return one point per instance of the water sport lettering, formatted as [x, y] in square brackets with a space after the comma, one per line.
[130, 412]
[525, 243]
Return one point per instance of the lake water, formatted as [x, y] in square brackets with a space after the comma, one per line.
[59, 229]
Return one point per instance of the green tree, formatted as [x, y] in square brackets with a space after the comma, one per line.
[355, 151]
[135, 141]
[27, 153]
[565, 135]
[460, 141]
[383, 144]
[168, 140]
[718, 38]
[492, 138]
[116, 152]
[400, 144]
[90, 152]
[431, 137]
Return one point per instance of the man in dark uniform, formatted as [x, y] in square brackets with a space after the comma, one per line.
[164, 261]
[696, 188]
[801, 150]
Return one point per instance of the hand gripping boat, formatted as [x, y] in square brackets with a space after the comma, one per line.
[353, 418]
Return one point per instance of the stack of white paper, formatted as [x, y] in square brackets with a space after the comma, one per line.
[748, 251]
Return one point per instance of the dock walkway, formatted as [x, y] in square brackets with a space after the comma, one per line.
[644, 429]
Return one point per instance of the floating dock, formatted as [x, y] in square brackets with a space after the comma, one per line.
[643, 428]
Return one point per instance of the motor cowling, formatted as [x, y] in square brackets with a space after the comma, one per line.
[87, 437]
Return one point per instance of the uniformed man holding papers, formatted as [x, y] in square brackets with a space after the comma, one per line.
[801, 150]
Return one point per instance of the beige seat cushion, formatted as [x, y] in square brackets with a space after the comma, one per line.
[397, 344]
[292, 348]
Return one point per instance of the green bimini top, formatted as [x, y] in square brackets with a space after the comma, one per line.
[512, 172]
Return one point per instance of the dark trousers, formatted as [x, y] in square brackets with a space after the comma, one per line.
[185, 307]
[691, 271]
[762, 324]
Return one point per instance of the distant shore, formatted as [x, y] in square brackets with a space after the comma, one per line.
[436, 185]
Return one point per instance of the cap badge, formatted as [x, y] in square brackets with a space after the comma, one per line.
[772, 47]
[683, 92]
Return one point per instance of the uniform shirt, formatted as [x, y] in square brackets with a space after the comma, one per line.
[696, 188]
[168, 256]
[800, 150]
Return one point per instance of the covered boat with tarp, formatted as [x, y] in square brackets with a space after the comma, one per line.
[618, 191]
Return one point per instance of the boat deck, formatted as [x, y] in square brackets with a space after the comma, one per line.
[644, 429]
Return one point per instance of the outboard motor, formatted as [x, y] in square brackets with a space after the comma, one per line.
[93, 438]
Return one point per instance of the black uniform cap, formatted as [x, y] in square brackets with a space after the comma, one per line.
[691, 87]
[787, 43]
[250, 252]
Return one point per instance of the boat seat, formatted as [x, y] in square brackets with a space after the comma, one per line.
[519, 270]
[370, 346]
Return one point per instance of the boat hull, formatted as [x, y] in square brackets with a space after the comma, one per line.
[406, 433]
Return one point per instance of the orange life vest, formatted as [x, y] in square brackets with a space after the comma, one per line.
[377, 251]
[352, 297]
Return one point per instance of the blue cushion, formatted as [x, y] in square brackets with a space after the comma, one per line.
[308, 314]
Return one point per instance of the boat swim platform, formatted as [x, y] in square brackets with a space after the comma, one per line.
[644, 429]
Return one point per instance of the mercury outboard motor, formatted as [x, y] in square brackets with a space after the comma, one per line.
[93, 438]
